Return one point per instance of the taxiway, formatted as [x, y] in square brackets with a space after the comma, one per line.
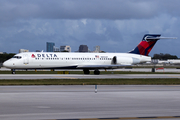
[75, 102]
[78, 76]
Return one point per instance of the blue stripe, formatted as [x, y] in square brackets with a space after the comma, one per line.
[135, 51]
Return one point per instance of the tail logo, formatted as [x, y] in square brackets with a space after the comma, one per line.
[146, 45]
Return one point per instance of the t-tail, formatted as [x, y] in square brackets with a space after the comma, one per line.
[147, 43]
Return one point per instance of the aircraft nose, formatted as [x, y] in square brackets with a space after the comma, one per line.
[7, 64]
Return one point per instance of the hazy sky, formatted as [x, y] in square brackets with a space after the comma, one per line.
[114, 25]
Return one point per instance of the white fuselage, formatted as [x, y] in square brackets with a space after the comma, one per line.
[53, 60]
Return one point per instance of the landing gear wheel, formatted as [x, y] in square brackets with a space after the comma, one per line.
[86, 71]
[96, 72]
[13, 71]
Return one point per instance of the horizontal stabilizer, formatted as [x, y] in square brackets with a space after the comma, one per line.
[157, 38]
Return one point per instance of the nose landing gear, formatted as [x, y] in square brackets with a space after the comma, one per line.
[13, 71]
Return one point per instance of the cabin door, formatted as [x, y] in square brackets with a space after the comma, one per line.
[26, 59]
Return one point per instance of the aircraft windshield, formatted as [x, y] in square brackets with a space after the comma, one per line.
[18, 57]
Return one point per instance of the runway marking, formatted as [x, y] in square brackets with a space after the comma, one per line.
[125, 118]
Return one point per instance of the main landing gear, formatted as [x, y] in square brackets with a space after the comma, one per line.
[87, 72]
[96, 72]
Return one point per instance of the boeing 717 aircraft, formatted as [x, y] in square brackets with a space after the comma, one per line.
[84, 61]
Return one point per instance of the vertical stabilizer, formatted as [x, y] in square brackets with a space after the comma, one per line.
[146, 45]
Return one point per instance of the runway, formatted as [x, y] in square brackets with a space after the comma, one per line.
[76, 102]
[122, 69]
[78, 76]
[108, 76]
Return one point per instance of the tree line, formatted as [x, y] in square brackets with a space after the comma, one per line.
[4, 57]
[162, 56]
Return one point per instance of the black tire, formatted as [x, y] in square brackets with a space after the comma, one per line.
[86, 71]
[96, 72]
[13, 71]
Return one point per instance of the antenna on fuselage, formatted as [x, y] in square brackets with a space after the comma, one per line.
[42, 51]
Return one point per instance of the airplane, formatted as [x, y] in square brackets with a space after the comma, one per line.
[85, 61]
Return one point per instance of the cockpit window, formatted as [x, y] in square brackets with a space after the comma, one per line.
[18, 57]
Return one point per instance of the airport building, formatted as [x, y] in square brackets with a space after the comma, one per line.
[65, 48]
[23, 50]
[83, 48]
[38, 51]
[97, 49]
[56, 49]
[50, 46]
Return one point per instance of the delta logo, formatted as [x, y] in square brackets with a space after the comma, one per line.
[33, 56]
[43, 55]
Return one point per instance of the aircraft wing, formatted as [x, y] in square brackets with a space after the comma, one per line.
[101, 66]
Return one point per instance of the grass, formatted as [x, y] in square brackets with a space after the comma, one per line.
[155, 81]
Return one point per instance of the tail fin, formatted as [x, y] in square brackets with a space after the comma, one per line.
[147, 43]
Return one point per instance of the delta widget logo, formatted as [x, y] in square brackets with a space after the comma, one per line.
[33, 56]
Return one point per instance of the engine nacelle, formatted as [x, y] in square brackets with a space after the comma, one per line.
[125, 60]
